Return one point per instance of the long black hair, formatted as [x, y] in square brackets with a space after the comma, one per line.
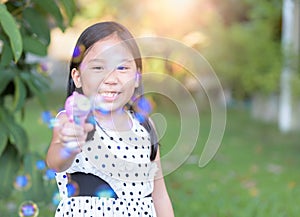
[88, 38]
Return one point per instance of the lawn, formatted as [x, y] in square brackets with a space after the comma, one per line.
[254, 173]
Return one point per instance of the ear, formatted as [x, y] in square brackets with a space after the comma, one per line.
[76, 77]
[137, 79]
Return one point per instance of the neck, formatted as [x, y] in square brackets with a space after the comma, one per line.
[114, 120]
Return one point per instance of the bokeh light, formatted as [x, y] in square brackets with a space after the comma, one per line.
[143, 108]
[49, 119]
[56, 198]
[28, 209]
[73, 189]
[40, 165]
[78, 53]
[106, 192]
[43, 68]
[22, 182]
[49, 174]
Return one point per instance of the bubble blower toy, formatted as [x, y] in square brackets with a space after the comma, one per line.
[77, 107]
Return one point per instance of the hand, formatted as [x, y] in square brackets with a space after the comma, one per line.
[73, 136]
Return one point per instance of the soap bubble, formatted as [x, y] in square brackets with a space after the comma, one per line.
[28, 209]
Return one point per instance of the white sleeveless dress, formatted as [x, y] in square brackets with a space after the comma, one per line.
[121, 159]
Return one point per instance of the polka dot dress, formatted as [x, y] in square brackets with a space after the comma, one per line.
[122, 160]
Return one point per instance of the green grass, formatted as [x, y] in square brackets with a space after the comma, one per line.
[254, 173]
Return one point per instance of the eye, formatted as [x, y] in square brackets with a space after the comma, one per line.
[123, 68]
[98, 68]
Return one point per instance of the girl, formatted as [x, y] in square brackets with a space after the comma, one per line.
[117, 171]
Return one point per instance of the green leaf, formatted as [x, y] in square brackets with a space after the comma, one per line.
[3, 138]
[6, 55]
[51, 7]
[10, 27]
[37, 24]
[17, 135]
[35, 86]
[10, 164]
[37, 191]
[34, 46]
[20, 94]
[5, 77]
[70, 9]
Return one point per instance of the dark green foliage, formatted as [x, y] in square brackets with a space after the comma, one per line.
[24, 30]
[245, 48]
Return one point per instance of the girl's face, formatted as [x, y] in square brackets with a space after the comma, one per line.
[108, 74]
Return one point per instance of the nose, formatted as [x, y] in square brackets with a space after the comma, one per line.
[111, 77]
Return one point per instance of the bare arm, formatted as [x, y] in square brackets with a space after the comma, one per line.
[162, 202]
[58, 156]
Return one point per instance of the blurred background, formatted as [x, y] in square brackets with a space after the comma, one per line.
[251, 46]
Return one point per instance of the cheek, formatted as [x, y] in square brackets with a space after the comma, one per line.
[90, 86]
[130, 83]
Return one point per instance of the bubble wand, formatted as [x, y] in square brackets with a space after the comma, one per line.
[77, 107]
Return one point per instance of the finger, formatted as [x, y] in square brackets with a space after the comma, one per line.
[72, 130]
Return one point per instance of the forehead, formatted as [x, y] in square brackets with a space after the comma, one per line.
[108, 49]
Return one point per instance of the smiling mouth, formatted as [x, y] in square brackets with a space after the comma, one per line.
[109, 93]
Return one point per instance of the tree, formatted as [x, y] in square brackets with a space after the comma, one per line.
[24, 30]
[290, 36]
[245, 48]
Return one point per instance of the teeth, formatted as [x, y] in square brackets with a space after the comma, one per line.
[109, 94]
